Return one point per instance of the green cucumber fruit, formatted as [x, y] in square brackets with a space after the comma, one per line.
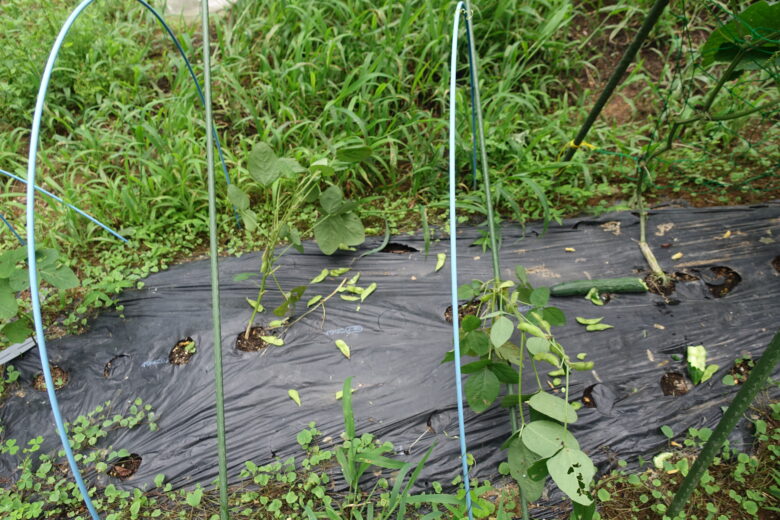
[628, 284]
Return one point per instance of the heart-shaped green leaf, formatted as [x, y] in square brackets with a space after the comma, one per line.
[553, 407]
[237, 197]
[482, 388]
[540, 296]
[335, 230]
[262, 164]
[547, 437]
[537, 345]
[501, 331]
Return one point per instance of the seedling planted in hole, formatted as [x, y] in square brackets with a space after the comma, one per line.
[542, 446]
[290, 188]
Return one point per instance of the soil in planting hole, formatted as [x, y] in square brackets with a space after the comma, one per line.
[125, 467]
[58, 375]
[587, 397]
[108, 369]
[182, 351]
[741, 370]
[656, 286]
[254, 342]
[776, 263]
[674, 383]
[721, 280]
[685, 277]
[398, 249]
[464, 309]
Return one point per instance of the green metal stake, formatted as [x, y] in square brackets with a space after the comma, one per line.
[755, 382]
[617, 75]
[483, 151]
[486, 177]
[213, 253]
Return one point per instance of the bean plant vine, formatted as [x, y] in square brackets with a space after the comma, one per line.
[509, 332]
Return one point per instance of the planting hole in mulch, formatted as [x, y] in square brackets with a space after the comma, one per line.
[674, 383]
[398, 249]
[685, 277]
[776, 263]
[108, 369]
[720, 280]
[255, 341]
[464, 309]
[125, 467]
[741, 370]
[58, 375]
[587, 397]
[182, 351]
[656, 286]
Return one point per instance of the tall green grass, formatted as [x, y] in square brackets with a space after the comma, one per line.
[122, 132]
[123, 135]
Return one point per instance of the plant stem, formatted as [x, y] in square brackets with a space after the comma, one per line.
[292, 205]
[755, 382]
[704, 109]
[732, 115]
[722, 80]
[263, 280]
[319, 303]
[652, 262]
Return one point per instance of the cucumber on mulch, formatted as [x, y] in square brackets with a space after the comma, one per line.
[628, 284]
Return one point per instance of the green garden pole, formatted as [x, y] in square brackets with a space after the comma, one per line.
[477, 108]
[213, 254]
[481, 135]
[617, 75]
[755, 382]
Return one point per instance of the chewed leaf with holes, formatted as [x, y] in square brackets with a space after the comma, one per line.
[573, 471]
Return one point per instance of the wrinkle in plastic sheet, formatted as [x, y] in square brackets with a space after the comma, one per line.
[398, 339]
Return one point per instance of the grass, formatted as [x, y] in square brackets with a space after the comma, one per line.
[122, 136]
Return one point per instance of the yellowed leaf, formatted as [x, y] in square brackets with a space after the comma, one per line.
[343, 347]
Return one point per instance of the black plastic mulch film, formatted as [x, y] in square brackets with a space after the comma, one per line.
[399, 337]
